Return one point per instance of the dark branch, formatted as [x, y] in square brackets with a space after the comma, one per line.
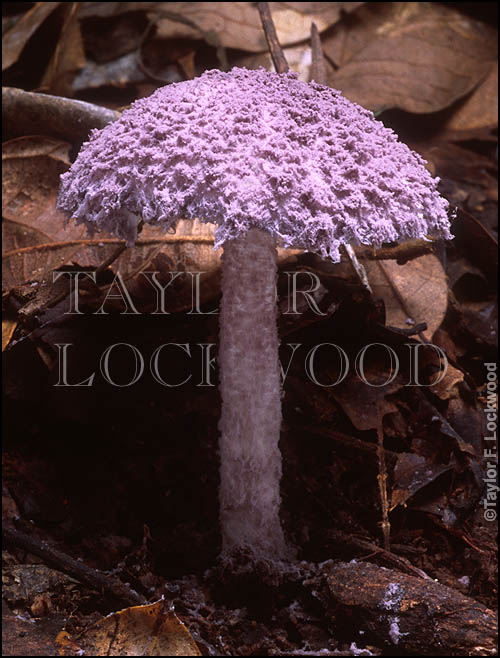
[279, 59]
[62, 562]
[318, 68]
[29, 113]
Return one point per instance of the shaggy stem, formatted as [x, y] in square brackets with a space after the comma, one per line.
[251, 398]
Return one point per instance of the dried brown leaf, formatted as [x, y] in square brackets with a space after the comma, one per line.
[417, 56]
[479, 110]
[452, 161]
[33, 255]
[18, 36]
[68, 57]
[446, 388]
[31, 170]
[19, 264]
[232, 24]
[146, 630]
[35, 262]
[413, 293]
[8, 328]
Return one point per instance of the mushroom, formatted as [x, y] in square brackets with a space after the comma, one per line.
[272, 160]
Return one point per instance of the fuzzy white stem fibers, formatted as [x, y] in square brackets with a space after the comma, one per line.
[251, 403]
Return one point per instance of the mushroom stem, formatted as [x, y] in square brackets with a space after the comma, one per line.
[251, 398]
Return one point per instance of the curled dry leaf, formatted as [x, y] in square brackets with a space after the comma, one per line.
[413, 293]
[417, 56]
[146, 630]
[27, 255]
[231, 24]
[18, 36]
[238, 25]
[69, 55]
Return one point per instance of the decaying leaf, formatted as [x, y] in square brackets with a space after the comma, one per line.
[411, 474]
[367, 404]
[446, 388]
[23, 636]
[23, 583]
[417, 56]
[31, 170]
[413, 293]
[146, 630]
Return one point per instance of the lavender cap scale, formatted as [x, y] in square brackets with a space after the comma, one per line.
[255, 149]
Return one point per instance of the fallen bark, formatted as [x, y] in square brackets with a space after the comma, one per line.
[415, 615]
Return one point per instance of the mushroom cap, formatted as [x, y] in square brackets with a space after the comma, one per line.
[258, 149]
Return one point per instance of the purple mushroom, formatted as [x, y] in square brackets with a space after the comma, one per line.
[272, 160]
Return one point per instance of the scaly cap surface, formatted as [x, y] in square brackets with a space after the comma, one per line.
[255, 149]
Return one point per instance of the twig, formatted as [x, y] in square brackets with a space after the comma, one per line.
[275, 49]
[29, 113]
[116, 254]
[358, 268]
[62, 562]
[318, 67]
[368, 550]
[401, 252]
[382, 487]
[348, 442]
[89, 242]
[382, 456]
[102, 267]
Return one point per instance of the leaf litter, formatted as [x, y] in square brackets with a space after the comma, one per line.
[432, 437]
